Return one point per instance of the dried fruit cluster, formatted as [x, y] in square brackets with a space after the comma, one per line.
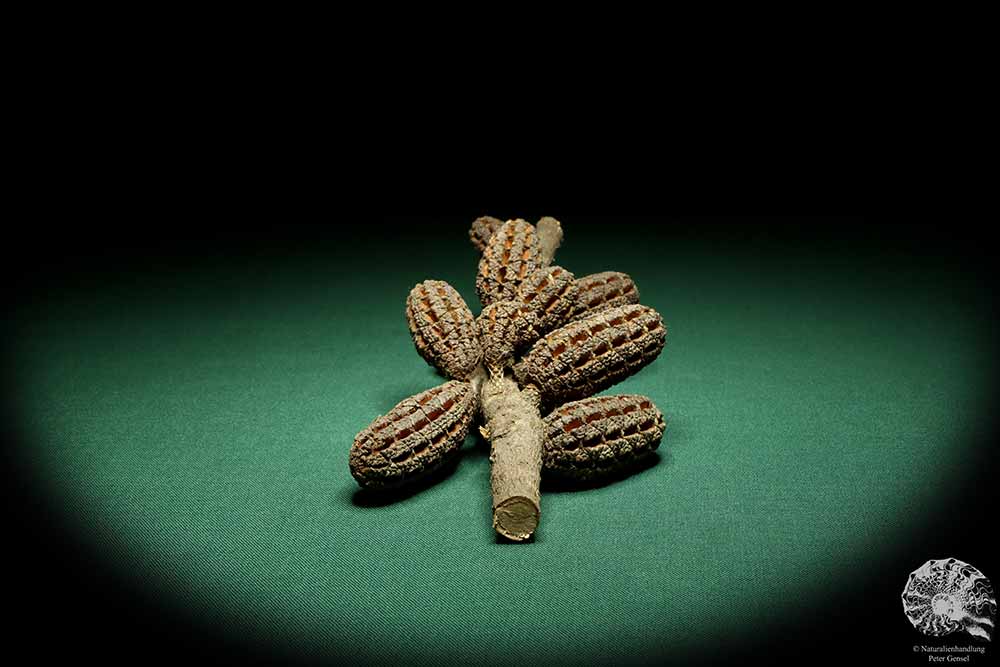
[544, 341]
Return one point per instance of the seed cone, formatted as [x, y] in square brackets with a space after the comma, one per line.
[417, 437]
[510, 256]
[601, 291]
[443, 328]
[551, 293]
[541, 303]
[505, 326]
[549, 229]
[482, 231]
[589, 355]
[596, 437]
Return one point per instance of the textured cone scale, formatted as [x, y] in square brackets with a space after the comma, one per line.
[589, 355]
[542, 303]
[443, 328]
[551, 293]
[482, 231]
[417, 437]
[504, 326]
[511, 255]
[601, 291]
[599, 436]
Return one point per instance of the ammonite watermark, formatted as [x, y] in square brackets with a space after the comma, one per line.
[946, 596]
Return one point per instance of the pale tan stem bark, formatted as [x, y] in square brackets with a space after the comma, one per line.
[515, 432]
[550, 235]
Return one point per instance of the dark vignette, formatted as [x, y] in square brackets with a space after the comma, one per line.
[70, 602]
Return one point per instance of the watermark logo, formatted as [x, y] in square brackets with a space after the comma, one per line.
[945, 596]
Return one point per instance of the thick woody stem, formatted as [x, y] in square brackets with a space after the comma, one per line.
[515, 431]
[550, 235]
[477, 379]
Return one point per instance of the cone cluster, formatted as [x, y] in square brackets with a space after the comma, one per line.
[544, 343]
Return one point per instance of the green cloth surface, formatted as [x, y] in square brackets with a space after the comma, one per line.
[196, 426]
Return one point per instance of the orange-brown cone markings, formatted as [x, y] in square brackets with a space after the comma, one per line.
[552, 294]
[601, 291]
[549, 233]
[504, 326]
[598, 436]
[589, 355]
[542, 303]
[443, 328]
[418, 436]
[511, 255]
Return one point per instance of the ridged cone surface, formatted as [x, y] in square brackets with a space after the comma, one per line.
[416, 437]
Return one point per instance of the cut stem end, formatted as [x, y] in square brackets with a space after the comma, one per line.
[516, 518]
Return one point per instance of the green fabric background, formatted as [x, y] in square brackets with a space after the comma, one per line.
[196, 426]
